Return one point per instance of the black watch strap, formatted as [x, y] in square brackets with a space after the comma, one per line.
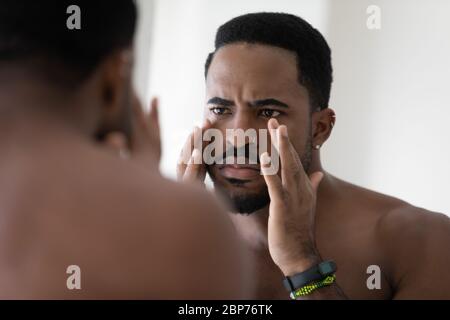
[315, 273]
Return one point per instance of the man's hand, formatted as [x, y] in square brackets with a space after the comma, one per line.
[144, 145]
[190, 167]
[292, 207]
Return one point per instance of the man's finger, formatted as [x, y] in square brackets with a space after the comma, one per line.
[207, 124]
[139, 126]
[315, 179]
[290, 170]
[181, 169]
[153, 125]
[194, 141]
[193, 168]
[273, 181]
[145, 145]
[185, 155]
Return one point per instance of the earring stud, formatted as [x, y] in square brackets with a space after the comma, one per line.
[317, 147]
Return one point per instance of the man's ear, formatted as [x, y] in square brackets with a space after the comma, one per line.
[115, 82]
[115, 92]
[322, 125]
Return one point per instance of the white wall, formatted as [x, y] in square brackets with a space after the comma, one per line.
[143, 45]
[389, 91]
[390, 94]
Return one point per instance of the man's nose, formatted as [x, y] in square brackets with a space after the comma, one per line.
[244, 128]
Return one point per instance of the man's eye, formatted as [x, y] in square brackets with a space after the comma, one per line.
[219, 111]
[268, 113]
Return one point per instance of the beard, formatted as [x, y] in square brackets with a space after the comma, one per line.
[242, 202]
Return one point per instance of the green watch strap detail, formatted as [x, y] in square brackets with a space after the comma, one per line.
[307, 289]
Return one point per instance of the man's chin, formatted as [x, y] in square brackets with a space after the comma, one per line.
[242, 196]
[249, 205]
[245, 203]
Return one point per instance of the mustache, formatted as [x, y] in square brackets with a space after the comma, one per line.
[248, 151]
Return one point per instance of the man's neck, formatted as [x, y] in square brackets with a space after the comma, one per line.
[39, 112]
[253, 227]
[32, 103]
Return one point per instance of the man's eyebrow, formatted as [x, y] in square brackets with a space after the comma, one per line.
[220, 102]
[268, 102]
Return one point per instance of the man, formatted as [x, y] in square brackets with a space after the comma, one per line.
[76, 221]
[273, 71]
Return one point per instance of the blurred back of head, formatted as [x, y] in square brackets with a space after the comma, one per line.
[36, 34]
[73, 53]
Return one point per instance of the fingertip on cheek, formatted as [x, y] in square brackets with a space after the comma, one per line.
[265, 159]
[197, 156]
[273, 123]
[283, 131]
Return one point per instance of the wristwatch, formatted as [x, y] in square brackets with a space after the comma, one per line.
[315, 273]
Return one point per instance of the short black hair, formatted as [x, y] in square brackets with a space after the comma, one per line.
[37, 31]
[289, 32]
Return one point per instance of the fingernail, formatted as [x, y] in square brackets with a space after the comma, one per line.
[265, 159]
[197, 156]
[275, 137]
[283, 131]
[276, 122]
[197, 133]
[273, 123]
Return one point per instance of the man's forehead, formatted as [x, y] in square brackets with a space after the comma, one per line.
[259, 69]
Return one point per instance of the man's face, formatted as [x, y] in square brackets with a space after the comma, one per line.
[247, 84]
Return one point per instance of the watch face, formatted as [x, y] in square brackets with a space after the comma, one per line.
[327, 267]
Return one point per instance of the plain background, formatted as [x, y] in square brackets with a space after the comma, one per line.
[390, 89]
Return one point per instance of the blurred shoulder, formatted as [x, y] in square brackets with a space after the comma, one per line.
[189, 226]
[175, 236]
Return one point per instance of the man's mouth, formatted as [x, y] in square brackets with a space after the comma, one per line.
[239, 171]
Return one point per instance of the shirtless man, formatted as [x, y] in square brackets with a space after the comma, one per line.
[274, 71]
[65, 199]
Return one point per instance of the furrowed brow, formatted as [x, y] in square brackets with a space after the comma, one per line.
[268, 102]
[220, 102]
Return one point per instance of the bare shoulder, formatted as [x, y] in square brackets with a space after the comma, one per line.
[413, 222]
[136, 234]
[390, 212]
[190, 239]
[400, 225]
[414, 243]
[408, 230]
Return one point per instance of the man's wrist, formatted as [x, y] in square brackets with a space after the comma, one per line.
[300, 265]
